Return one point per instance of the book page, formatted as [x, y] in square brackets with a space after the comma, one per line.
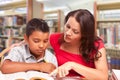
[30, 75]
[36, 74]
[1, 76]
[14, 76]
[116, 74]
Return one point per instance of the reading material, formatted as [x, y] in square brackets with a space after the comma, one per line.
[30, 75]
[116, 74]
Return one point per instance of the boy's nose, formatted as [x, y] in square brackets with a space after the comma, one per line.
[41, 45]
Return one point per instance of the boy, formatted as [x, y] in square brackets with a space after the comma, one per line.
[32, 55]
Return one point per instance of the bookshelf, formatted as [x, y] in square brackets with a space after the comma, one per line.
[12, 28]
[55, 20]
[12, 23]
[108, 23]
[107, 17]
[13, 32]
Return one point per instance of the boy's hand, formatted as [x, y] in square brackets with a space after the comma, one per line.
[47, 67]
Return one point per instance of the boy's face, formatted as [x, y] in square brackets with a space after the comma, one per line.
[38, 42]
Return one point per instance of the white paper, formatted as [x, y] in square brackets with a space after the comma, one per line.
[116, 73]
[25, 75]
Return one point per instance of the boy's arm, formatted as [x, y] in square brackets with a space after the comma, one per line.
[10, 67]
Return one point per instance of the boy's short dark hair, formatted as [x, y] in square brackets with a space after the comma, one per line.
[36, 24]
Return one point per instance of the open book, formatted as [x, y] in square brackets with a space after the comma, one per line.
[30, 75]
[115, 74]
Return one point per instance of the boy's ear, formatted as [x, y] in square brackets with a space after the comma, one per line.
[25, 38]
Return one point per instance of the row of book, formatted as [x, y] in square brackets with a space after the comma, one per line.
[6, 42]
[114, 59]
[14, 20]
[11, 31]
[110, 33]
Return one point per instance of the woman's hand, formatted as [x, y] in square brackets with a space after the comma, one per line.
[63, 70]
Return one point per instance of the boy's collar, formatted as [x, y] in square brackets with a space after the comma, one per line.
[29, 55]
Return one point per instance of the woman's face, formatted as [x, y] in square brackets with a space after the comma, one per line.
[72, 31]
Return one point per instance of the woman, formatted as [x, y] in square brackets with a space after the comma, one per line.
[78, 50]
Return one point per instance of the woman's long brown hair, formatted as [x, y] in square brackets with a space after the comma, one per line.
[88, 37]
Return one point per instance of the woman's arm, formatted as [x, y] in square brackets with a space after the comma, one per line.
[11, 67]
[99, 73]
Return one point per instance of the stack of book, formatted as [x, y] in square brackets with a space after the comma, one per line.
[114, 55]
[110, 33]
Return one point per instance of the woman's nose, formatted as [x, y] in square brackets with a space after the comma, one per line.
[68, 32]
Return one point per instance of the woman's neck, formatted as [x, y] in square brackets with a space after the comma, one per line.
[72, 48]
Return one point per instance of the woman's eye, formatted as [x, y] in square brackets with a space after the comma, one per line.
[76, 32]
[68, 26]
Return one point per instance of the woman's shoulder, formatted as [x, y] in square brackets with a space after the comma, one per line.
[99, 40]
[99, 43]
[54, 39]
[55, 34]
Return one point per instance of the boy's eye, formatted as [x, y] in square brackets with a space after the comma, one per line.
[36, 41]
[45, 41]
